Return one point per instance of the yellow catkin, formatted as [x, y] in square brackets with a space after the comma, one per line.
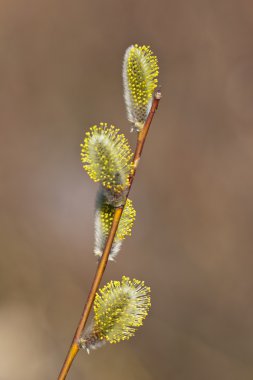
[120, 308]
[107, 157]
[140, 72]
[106, 214]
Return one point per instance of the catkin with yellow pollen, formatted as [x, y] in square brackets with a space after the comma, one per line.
[119, 309]
[107, 157]
[140, 72]
[103, 221]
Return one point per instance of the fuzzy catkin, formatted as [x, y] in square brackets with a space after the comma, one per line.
[140, 72]
[103, 221]
[107, 157]
[119, 309]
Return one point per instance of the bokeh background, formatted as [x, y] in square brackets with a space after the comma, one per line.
[60, 72]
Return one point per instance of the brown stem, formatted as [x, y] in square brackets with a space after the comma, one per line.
[74, 348]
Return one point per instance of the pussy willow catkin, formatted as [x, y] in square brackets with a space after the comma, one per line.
[119, 309]
[140, 72]
[103, 220]
[107, 157]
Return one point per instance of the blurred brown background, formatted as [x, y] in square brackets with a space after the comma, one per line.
[60, 72]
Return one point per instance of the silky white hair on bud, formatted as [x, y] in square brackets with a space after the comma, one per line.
[90, 339]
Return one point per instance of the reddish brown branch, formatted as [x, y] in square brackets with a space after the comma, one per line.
[74, 348]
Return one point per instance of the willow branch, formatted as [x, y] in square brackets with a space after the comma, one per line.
[74, 348]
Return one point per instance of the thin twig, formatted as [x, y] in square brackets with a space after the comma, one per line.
[74, 348]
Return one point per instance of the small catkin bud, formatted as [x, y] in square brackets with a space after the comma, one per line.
[103, 220]
[107, 157]
[119, 309]
[140, 72]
